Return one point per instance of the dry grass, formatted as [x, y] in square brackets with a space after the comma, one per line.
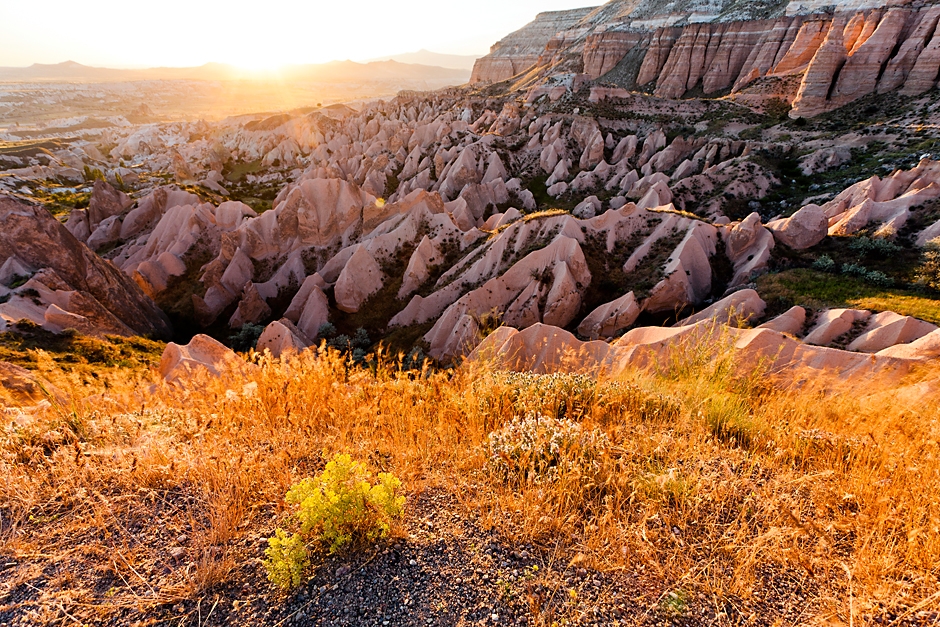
[712, 483]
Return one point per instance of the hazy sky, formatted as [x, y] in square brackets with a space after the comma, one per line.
[264, 33]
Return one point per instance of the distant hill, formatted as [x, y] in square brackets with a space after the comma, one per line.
[426, 57]
[333, 72]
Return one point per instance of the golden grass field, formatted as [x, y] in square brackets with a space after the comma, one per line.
[712, 482]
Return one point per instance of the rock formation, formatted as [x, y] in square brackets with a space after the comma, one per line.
[840, 51]
[56, 282]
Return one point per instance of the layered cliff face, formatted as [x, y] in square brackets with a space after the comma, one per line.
[522, 49]
[695, 48]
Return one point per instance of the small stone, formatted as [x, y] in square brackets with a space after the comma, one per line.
[412, 562]
[177, 552]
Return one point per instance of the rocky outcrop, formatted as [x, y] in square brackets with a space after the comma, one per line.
[282, 337]
[203, 355]
[840, 51]
[611, 318]
[886, 202]
[60, 283]
[804, 229]
[603, 51]
[546, 349]
[360, 279]
[736, 310]
[790, 322]
[521, 50]
[832, 324]
[888, 329]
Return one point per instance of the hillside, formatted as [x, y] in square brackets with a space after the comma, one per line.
[816, 57]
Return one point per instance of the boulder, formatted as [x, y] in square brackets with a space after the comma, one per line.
[790, 322]
[834, 323]
[282, 337]
[201, 354]
[735, 310]
[361, 278]
[804, 229]
[611, 318]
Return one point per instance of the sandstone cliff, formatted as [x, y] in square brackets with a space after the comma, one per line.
[522, 49]
[840, 52]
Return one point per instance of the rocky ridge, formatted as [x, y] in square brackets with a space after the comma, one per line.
[424, 208]
[836, 53]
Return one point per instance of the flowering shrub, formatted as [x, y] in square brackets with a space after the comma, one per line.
[537, 449]
[337, 507]
[572, 396]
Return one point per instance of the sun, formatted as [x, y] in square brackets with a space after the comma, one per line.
[259, 64]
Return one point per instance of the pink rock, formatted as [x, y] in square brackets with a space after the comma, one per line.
[611, 318]
[252, 308]
[923, 76]
[737, 309]
[859, 76]
[201, 354]
[925, 348]
[889, 329]
[834, 323]
[541, 349]
[748, 246]
[812, 97]
[790, 322]
[361, 278]
[564, 298]
[804, 229]
[282, 337]
[425, 256]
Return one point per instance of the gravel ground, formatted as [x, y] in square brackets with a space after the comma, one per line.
[446, 571]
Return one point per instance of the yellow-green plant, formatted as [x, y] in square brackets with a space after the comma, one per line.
[286, 559]
[336, 507]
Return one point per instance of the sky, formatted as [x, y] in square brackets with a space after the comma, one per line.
[255, 35]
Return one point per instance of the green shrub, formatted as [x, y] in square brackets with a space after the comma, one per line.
[338, 507]
[876, 277]
[824, 263]
[247, 338]
[854, 269]
[877, 247]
